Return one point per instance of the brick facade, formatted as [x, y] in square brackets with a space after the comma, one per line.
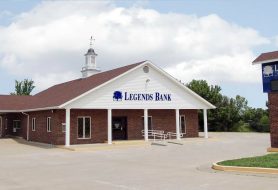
[161, 120]
[56, 136]
[273, 117]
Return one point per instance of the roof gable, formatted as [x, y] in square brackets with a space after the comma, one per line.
[135, 82]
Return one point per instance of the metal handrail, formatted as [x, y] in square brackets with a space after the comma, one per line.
[155, 134]
[160, 134]
[151, 132]
[170, 134]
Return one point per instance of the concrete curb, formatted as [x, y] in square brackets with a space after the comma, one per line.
[244, 169]
[270, 149]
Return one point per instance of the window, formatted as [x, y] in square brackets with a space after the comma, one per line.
[33, 124]
[274, 85]
[16, 125]
[182, 124]
[146, 69]
[84, 127]
[48, 124]
[63, 127]
[150, 122]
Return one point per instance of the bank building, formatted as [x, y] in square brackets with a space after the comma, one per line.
[133, 102]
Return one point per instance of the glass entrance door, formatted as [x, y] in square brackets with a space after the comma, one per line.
[119, 128]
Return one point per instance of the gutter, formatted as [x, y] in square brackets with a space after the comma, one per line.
[27, 136]
[29, 110]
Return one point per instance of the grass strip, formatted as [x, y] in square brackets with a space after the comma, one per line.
[266, 161]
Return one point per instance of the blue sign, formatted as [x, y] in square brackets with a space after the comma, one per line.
[269, 73]
[156, 96]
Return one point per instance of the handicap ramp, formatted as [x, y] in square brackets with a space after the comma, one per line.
[166, 142]
[159, 143]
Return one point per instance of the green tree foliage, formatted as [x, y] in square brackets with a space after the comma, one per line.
[24, 87]
[231, 114]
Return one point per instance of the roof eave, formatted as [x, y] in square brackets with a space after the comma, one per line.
[264, 61]
[29, 110]
[9, 111]
[40, 109]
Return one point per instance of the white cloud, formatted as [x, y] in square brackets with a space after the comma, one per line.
[48, 42]
[219, 69]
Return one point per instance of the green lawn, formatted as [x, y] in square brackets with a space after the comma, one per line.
[266, 161]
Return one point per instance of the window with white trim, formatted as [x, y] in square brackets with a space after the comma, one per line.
[84, 127]
[6, 124]
[63, 127]
[34, 124]
[48, 124]
[150, 122]
[182, 124]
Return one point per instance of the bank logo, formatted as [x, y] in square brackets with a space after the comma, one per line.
[268, 71]
[117, 96]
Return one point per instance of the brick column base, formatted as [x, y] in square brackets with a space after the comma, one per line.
[273, 118]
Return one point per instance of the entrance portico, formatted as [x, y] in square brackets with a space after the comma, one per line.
[157, 119]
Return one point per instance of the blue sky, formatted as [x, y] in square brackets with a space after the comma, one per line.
[260, 16]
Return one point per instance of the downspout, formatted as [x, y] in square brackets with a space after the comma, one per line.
[27, 136]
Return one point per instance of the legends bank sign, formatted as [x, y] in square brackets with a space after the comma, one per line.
[126, 96]
[269, 73]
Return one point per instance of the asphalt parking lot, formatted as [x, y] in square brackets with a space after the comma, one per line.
[187, 166]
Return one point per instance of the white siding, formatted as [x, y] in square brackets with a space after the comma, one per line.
[135, 82]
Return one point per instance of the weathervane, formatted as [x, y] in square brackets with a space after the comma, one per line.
[91, 41]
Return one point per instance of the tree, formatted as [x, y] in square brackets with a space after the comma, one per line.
[24, 87]
[212, 94]
[257, 119]
[231, 114]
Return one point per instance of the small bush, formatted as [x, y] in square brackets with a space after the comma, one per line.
[241, 127]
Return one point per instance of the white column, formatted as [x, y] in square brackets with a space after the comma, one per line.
[109, 121]
[67, 127]
[146, 124]
[178, 124]
[205, 123]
